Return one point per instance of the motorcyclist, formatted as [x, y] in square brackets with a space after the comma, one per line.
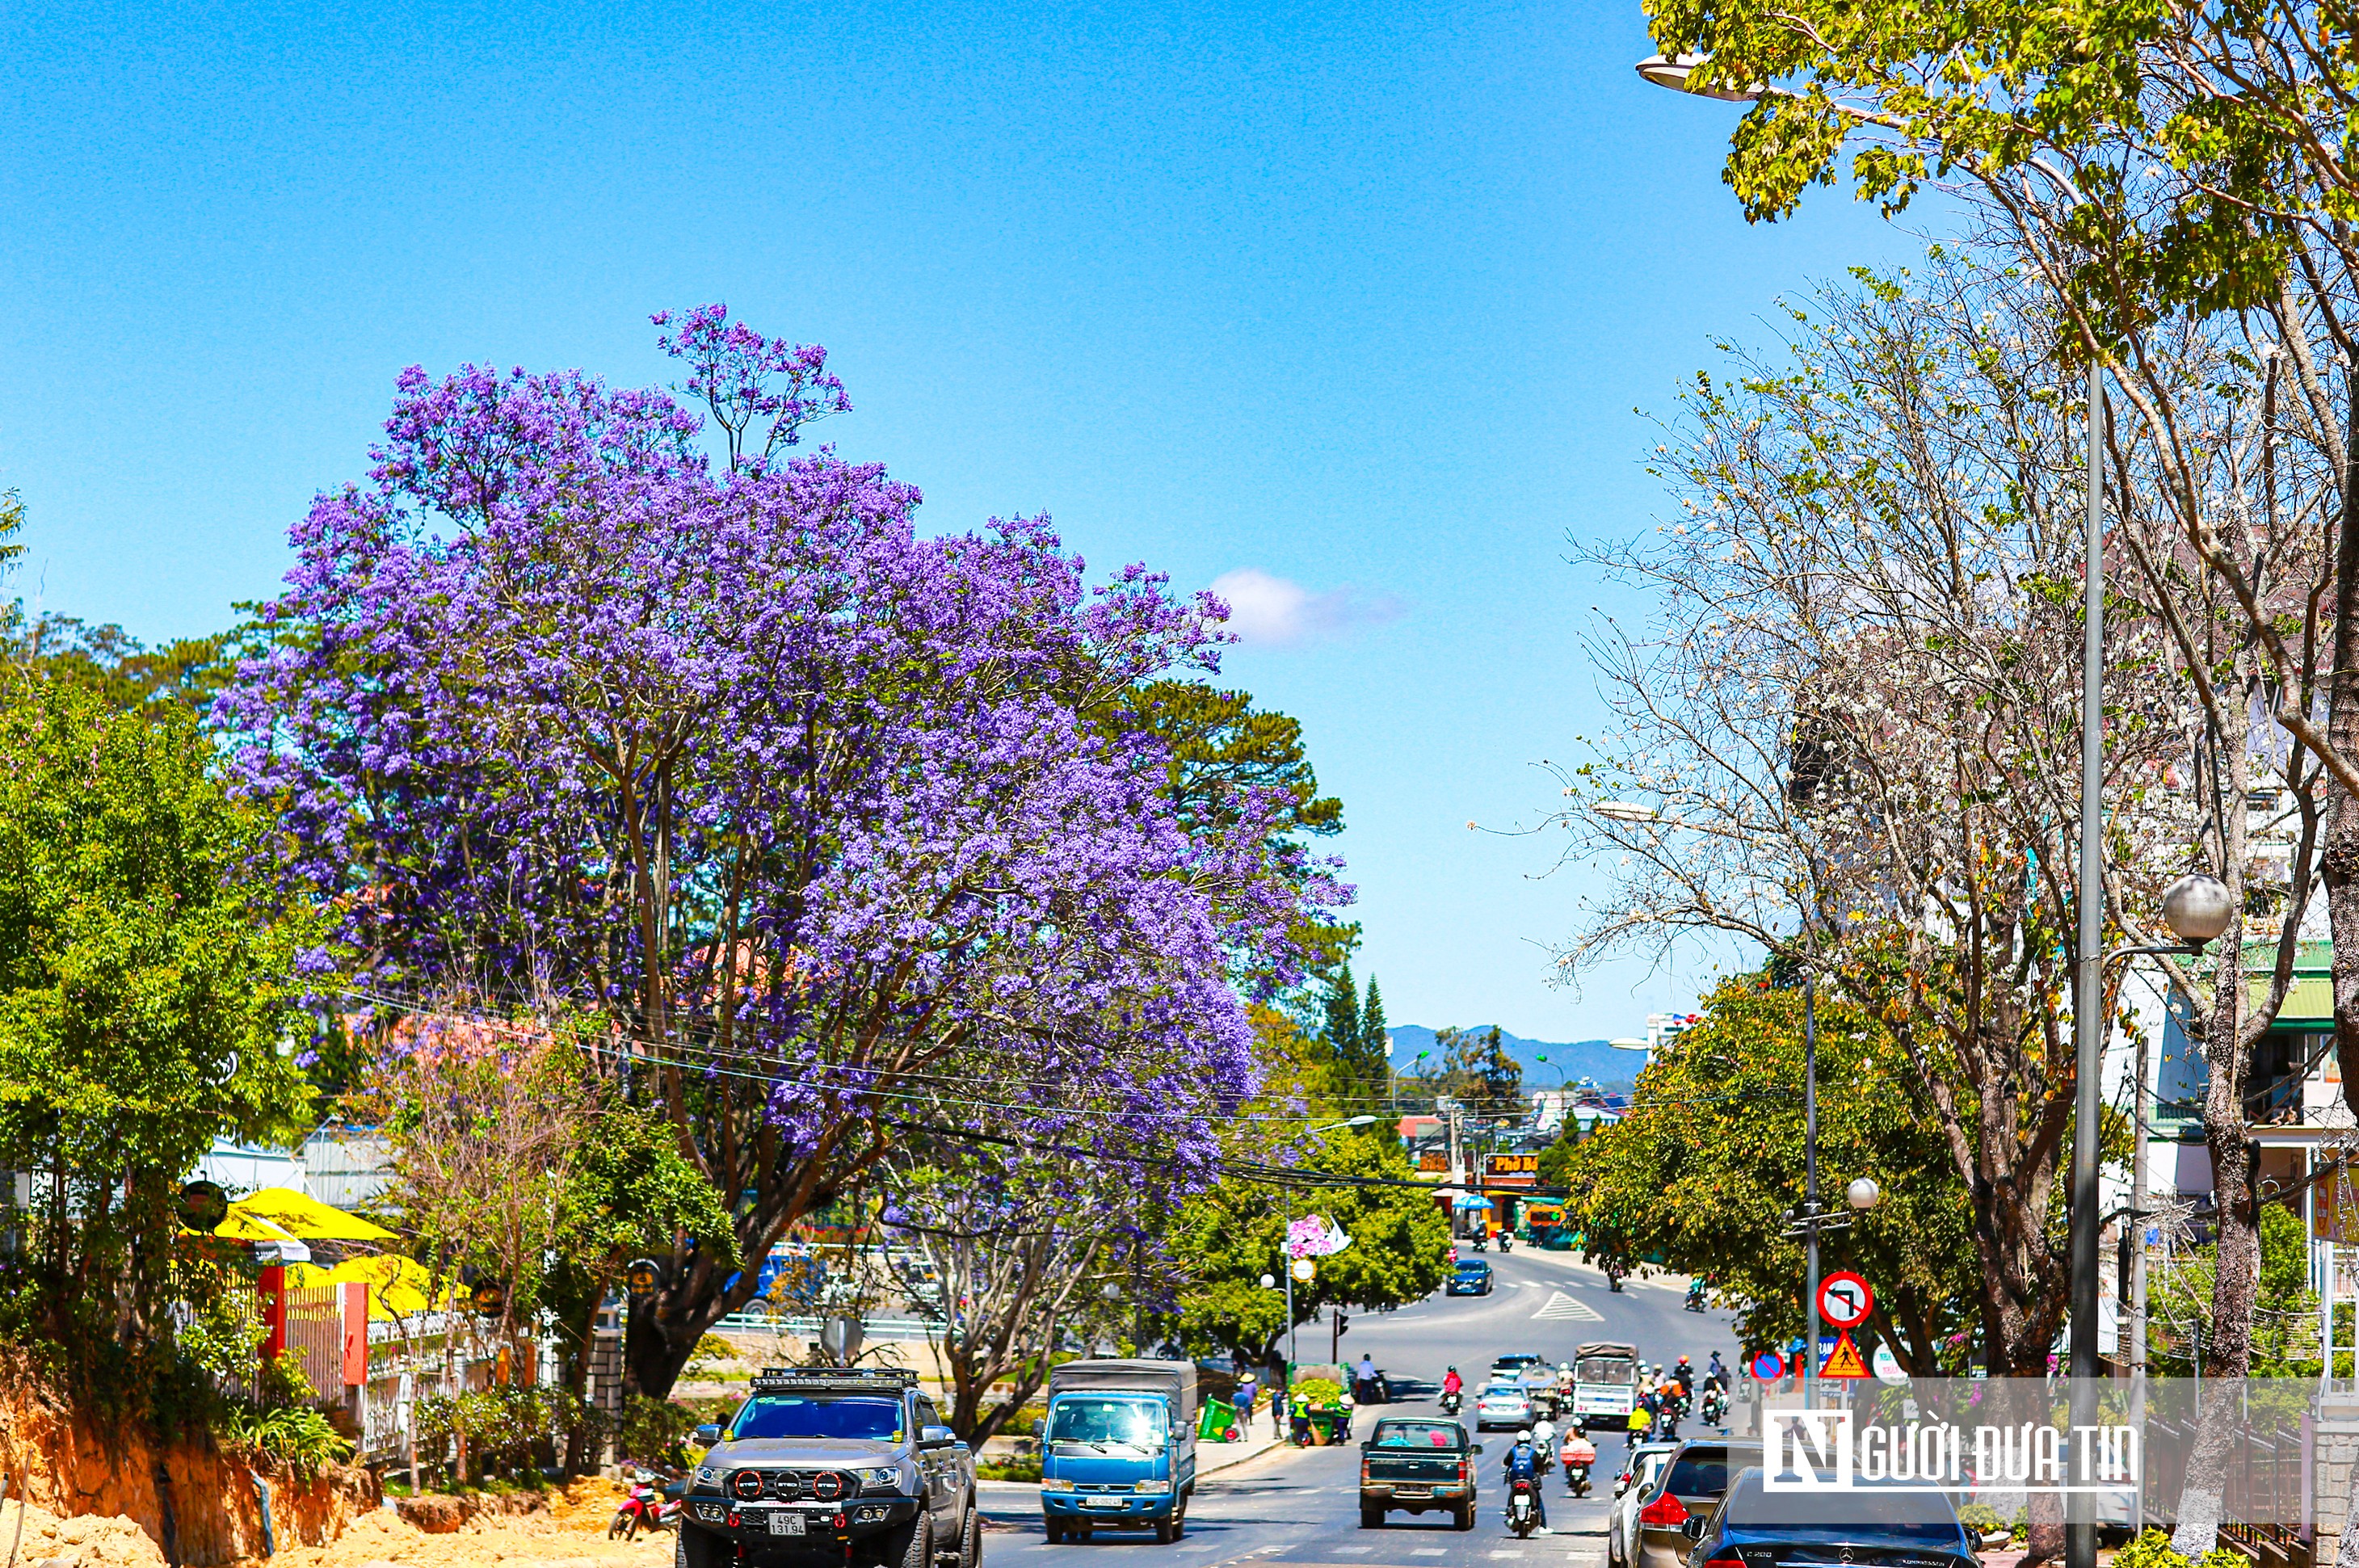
[1523, 1462]
[1577, 1450]
[1453, 1387]
[1684, 1376]
[1715, 1375]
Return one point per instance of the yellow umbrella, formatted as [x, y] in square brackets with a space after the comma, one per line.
[399, 1287]
[277, 1213]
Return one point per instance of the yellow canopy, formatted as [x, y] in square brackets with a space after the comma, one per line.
[399, 1287]
[277, 1213]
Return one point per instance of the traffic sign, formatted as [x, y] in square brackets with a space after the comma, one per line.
[1768, 1367]
[1846, 1362]
[1844, 1299]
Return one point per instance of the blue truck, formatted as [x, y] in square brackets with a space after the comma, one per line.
[1119, 1448]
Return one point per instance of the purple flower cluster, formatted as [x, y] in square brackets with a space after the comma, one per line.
[824, 815]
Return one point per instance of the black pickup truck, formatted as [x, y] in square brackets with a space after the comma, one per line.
[1414, 1464]
[849, 1466]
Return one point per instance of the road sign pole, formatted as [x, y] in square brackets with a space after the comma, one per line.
[1810, 1182]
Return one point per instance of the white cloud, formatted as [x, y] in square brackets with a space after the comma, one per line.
[1273, 611]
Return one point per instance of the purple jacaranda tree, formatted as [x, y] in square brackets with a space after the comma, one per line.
[821, 815]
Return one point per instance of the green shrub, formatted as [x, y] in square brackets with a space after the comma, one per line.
[292, 1440]
[2152, 1549]
[510, 1430]
[657, 1431]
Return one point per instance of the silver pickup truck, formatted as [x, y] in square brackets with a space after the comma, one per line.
[843, 1465]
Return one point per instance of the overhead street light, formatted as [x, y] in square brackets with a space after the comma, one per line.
[1630, 1043]
[1863, 1193]
[1677, 71]
[2198, 907]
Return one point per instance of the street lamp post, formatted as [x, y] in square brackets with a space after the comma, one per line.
[2080, 1536]
[1286, 1239]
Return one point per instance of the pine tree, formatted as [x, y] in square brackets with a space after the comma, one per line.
[1374, 1047]
[1342, 1032]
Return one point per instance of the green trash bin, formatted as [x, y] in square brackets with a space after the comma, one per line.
[1218, 1422]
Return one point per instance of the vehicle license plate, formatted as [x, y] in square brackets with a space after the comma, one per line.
[1412, 1491]
[1100, 1502]
[785, 1522]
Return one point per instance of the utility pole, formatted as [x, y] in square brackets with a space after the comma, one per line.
[2088, 1001]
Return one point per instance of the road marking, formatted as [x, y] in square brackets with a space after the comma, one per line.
[1350, 1551]
[1561, 1307]
[1506, 1554]
[1428, 1551]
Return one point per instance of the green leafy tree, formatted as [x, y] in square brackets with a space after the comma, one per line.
[1225, 1240]
[1218, 748]
[1708, 1165]
[148, 985]
[2285, 1316]
[1471, 1067]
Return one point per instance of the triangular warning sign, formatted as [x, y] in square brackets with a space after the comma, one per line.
[1844, 1361]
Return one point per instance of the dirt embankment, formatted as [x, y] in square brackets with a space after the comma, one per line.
[106, 1501]
[562, 1529]
[75, 1500]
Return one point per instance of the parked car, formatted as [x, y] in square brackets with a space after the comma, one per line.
[842, 1463]
[1417, 1465]
[1502, 1404]
[1857, 1524]
[1471, 1277]
[1691, 1488]
[1634, 1488]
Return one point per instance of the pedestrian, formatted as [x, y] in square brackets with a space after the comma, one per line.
[1246, 1393]
[1367, 1391]
[1279, 1399]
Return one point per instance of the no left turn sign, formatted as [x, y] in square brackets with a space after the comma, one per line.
[1844, 1299]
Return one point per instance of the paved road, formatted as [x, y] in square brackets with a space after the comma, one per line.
[1299, 1508]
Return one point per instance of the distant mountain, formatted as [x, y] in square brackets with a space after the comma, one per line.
[1567, 1062]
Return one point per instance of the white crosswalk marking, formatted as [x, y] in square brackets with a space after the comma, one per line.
[1563, 1308]
[1428, 1551]
[1506, 1554]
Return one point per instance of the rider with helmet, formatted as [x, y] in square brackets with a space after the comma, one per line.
[1525, 1460]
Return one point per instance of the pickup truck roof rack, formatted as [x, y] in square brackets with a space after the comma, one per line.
[835, 1379]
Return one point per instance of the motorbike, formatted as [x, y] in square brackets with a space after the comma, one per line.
[1715, 1407]
[1614, 1277]
[1523, 1506]
[645, 1507]
[1452, 1401]
[1576, 1478]
[1695, 1303]
[1481, 1243]
[1506, 1242]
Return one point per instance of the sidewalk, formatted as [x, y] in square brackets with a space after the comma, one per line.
[1216, 1456]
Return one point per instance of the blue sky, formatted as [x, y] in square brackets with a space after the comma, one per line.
[1347, 306]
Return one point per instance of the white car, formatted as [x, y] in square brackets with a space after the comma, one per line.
[1502, 1404]
[1647, 1462]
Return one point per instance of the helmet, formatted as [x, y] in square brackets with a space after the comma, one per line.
[1525, 1435]
[1683, 1360]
